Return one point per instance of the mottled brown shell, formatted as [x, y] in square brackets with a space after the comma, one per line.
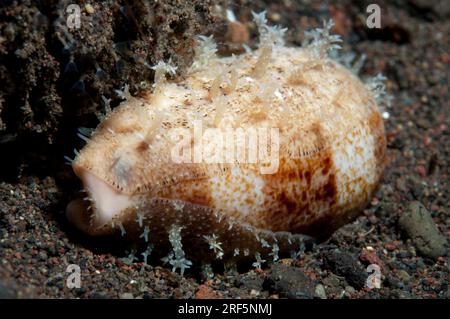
[331, 158]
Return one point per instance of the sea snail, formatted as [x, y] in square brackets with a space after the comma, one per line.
[161, 170]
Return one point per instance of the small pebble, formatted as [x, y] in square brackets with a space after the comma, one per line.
[43, 256]
[319, 292]
[89, 8]
[417, 223]
[403, 275]
[126, 295]
[349, 291]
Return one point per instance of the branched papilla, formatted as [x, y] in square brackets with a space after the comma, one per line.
[176, 258]
[320, 41]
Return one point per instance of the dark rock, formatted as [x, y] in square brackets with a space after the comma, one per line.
[250, 281]
[417, 223]
[6, 292]
[404, 254]
[399, 294]
[289, 282]
[393, 282]
[343, 264]
[429, 9]
[147, 295]
[43, 256]
[416, 187]
[99, 295]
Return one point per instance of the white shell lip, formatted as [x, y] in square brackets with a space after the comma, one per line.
[106, 201]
